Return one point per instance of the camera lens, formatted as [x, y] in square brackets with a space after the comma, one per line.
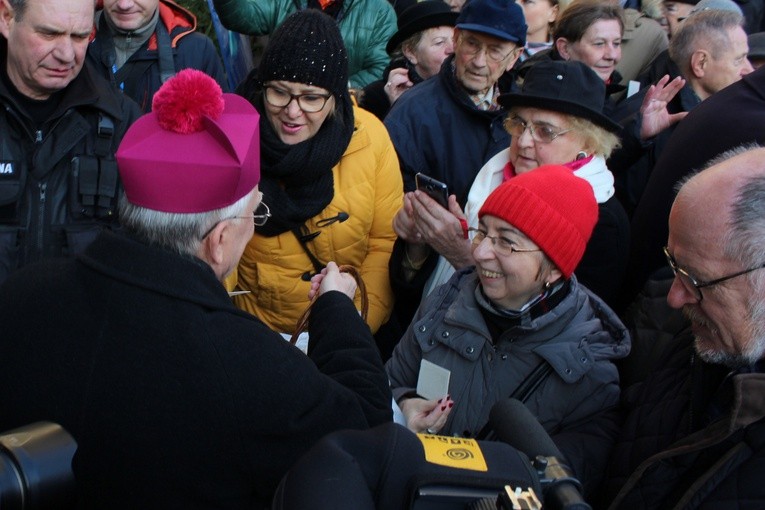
[36, 468]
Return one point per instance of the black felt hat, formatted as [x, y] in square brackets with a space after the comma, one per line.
[563, 86]
[421, 16]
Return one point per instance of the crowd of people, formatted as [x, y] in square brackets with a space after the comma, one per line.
[599, 254]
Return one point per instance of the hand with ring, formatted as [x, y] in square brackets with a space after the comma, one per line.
[428, 416]
[398, 83]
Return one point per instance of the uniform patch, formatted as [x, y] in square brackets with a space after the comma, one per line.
[8, 171]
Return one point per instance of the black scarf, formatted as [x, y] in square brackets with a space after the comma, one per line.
[296, 180]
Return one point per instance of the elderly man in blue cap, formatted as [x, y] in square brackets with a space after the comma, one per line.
[447, 127]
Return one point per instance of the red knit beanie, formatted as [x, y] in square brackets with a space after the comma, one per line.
[552, 207]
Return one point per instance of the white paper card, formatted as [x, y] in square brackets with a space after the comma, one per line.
[433, 382]
[632, 87]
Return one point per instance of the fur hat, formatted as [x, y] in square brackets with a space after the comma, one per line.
[568, 87]
[197, 151]
[552, 207]
[307, 48]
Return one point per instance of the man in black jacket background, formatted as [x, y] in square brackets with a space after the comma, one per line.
[60, 124]
[694, 434]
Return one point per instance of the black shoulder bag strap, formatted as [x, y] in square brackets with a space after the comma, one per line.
[522, 393]
[165, 50]
[138, 68]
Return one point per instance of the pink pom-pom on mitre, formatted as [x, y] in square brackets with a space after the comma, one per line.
[184, 100]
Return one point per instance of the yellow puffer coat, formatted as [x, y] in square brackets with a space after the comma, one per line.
[368, 186]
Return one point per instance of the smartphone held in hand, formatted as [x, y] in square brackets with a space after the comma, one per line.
[434, 188]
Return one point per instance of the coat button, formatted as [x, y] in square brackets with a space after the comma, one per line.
[503, 357]
[423, 328]
[469, 350]
[445, 334]
[431, 341]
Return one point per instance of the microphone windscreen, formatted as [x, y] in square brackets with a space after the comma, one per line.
[515, 425]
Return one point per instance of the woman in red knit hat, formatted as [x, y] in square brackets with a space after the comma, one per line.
[518, 324]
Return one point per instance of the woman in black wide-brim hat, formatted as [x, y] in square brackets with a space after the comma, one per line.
[557, 118]
[422, 43]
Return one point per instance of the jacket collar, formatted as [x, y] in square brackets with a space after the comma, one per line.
[460, 95]
[749, 400]
[186, 278]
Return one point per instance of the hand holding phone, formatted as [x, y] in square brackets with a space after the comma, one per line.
[434, 188]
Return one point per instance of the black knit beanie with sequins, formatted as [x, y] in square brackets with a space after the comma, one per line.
[307, 48]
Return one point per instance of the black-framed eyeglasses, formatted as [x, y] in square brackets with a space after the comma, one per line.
[501, 245]
[309, 103]
[259, 216]
[472, 47]
[541, 133]
[694, 285]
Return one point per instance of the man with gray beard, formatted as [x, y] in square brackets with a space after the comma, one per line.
[694, 430]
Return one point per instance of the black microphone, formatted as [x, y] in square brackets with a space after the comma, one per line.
[515, 425]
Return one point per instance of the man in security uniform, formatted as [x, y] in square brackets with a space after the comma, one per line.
[60, 124]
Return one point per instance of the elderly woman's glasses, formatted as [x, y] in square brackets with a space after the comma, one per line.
[694, 285]
[309, 103]
[501, 245]
[472, 47]
[541, 133]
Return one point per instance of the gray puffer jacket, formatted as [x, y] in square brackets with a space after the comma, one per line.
[579, 338]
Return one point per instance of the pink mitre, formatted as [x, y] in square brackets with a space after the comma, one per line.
[197, 151]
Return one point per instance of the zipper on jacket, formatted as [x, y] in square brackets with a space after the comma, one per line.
[43, 187]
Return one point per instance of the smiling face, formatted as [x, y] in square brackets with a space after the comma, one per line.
[291, 124]
[527, 154]
[476, 72]
[510, 281]
[434, 46]
[47, 46]
[600, 47]
[129, 15]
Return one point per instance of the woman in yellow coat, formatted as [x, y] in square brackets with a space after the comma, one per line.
[330, 176]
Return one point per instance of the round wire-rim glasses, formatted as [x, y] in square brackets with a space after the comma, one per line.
[310, 103]
[501, 245]
[259, 216]
[694, 285]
